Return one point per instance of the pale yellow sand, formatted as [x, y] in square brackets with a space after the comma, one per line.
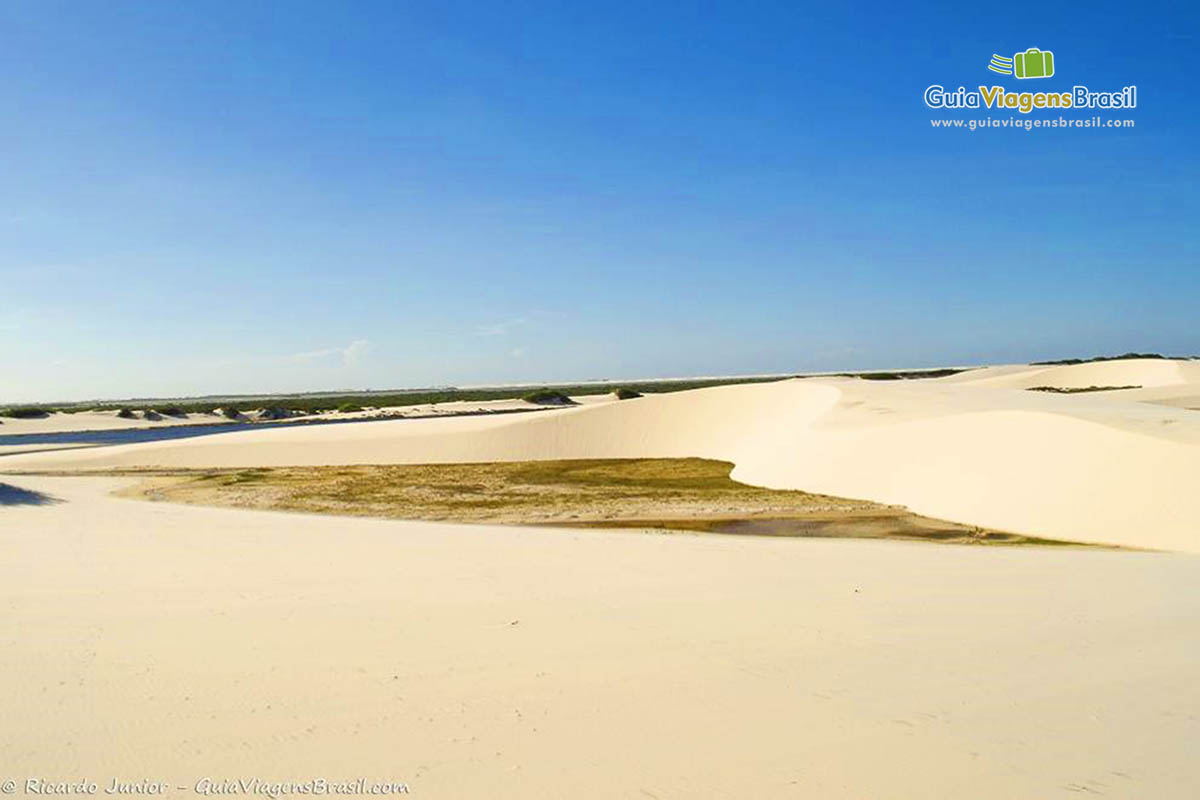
[13, 449]
[173, 642]
[975, 448]
[97, 421]
[1147, 372]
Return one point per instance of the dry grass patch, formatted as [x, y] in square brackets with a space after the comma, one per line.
[525, 491]
[676, 494]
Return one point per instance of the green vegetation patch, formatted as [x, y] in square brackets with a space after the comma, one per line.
[690, 494]
[1079, 389]
[548, 397]
[26, 412]
[1066, 362]
[905, 376]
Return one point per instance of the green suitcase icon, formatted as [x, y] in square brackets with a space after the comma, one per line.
[1034, 63]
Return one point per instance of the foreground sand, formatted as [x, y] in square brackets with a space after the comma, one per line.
[176, 642]
[975, 448]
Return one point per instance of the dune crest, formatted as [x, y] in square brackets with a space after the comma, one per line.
[970, 448]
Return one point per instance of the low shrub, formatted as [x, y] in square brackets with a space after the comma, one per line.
[349, 408]
[916, 374]
[625, 394]
[1079, 389]
[1067, 362]
[25, 412]
[548, 397]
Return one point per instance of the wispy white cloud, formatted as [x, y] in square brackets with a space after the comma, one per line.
[519, 352]
[348, 355]
[315, 355]
[500, 328]
[356, 351]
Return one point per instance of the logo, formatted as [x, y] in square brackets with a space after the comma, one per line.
[1025, 65]
[1001, 64]
[1033, 63]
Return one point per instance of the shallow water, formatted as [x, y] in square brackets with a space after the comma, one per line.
[136, 435]
[168, 431]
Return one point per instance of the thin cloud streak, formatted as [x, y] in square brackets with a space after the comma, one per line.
[500, 328]
[349, 355]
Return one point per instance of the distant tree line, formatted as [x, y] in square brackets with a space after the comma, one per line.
[349, 402]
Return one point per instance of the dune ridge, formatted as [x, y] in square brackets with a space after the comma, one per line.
[974, 448]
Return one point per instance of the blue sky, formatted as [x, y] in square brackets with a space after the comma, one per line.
[216, 197]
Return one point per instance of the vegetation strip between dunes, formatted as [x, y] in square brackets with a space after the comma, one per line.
[688, 494]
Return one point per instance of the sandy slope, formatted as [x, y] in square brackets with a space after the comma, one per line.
[97, 421]
[1164, 382]
[981, 450]
[178, 642]
[1149, 372]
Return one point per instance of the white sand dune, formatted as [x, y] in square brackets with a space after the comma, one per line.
[177, 643]
[974, 448]
[1176, 395]
[96, 421]
[1146, 372]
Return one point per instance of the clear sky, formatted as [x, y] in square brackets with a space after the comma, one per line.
[203, 197]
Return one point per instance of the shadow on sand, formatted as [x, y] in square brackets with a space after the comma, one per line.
[16, 496]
